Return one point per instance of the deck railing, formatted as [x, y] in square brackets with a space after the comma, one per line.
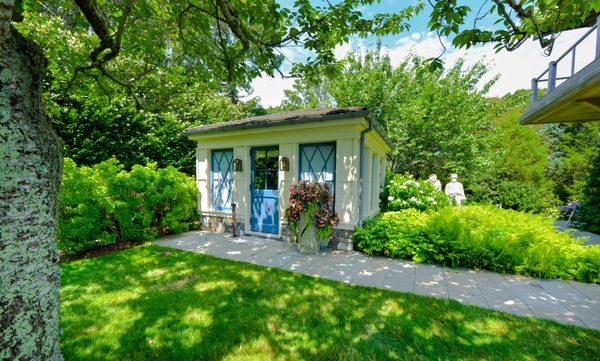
[552, 67]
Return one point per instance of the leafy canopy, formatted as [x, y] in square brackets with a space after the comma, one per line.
[437, 121]
[518, 179]
[225, 43]
[229, 42]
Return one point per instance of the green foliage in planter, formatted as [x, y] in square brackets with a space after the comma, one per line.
[482, 237]
[313, 200]
[105, 204]
[402, 191]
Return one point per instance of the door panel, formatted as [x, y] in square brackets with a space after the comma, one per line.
[264, 209]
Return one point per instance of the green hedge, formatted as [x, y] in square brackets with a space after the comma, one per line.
[483, 237]
[104, 204]
[589, 212]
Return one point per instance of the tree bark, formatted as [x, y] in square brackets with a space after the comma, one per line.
[30, 169]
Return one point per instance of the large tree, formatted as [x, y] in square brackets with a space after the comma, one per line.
[573, 147]
[437, 120]
[244, 38]
[241, 38]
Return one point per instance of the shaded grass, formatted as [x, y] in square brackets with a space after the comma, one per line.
[141, 304]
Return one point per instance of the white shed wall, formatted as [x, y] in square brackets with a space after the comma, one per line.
[346, 134]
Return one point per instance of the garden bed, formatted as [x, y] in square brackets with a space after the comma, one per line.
[483, 237]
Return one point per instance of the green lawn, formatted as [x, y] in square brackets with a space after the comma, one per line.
[139, 304]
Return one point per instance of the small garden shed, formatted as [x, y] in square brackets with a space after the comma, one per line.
[254, 161]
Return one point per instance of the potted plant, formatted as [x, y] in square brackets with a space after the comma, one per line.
[310, 215]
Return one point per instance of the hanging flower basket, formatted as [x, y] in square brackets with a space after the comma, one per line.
[310, 215]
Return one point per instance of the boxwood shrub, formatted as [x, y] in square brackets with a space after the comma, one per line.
[105, 204]
[483, 237]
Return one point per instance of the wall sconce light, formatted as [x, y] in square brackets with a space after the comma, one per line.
[237, 165]
[284, 164]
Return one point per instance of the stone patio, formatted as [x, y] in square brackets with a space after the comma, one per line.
[562, 301]
[588, 238]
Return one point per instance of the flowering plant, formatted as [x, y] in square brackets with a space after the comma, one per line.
[314, 201]
[404, 192]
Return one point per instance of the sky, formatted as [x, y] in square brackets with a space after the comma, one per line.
[514, 69]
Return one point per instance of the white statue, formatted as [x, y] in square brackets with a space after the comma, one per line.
[454, 190]
[433, 179]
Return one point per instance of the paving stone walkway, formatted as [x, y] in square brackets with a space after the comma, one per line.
[562, 301]
[589, 238]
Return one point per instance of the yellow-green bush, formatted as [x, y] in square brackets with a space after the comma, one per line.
[104, 204]
[482, 237]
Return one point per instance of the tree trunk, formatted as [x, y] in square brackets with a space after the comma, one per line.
[30, 169]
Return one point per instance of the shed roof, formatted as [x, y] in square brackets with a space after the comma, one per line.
[286, 118]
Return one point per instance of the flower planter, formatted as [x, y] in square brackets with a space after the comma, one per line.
[308, 242]
[310, 215]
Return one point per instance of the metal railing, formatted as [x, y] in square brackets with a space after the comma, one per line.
[552, 67]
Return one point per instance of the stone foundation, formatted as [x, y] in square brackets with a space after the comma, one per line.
[286, 234]
[341, 238]
[223, 224]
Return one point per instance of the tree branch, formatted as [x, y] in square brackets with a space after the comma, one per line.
[110, 45]
[527, 14]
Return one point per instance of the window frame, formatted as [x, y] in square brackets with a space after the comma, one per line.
[229, 175]
[331, 143]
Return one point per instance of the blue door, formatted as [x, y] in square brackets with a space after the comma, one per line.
[264, 190]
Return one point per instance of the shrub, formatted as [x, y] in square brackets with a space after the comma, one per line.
[84, 213]
[518, 195]
[404, 192]
[92, 132]
[526, 197]
[105, 204]
[393, 234]
[589, 212]
[482, 237]
[517, 178]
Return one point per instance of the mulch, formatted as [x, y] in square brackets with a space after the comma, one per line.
[119, 246]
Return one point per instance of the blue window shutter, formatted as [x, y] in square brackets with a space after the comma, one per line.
[221, 179]
[317, 162]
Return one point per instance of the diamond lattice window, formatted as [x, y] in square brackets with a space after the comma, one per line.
[317, 162]
[221, 177]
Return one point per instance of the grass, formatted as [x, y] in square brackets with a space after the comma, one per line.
[142, 304]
